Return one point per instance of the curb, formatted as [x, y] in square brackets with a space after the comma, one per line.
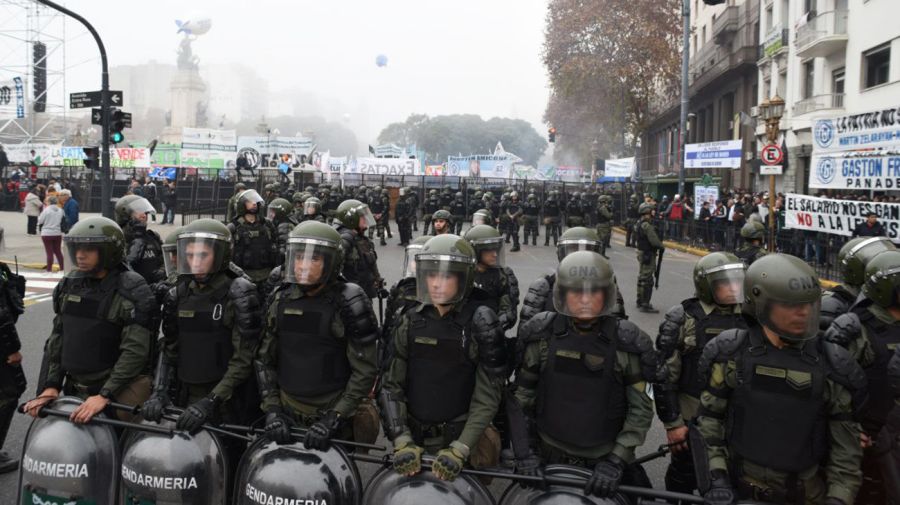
[696, 251]
[30, 266]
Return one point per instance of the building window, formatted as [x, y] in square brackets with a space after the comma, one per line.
[810, 6]
[837, 87]
[704, 34]
[694, 45]
[766, 90]
[877, 65]
[809, 73]
[782, 84]
[770, 18]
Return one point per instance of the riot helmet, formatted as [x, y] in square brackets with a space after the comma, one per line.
[170, 251]
[577, 238]
[753, 230]
[132, 210]
[783, 293]
[488, 245]
[883, 278]
[312, 206]
[719, 279]
[482, 216]
[355, 215]
[204, 248]
[585, 286]
[645, 208]
[441, 215]
[409, 259]
[314, 255]
[278, 210]
[299, 199]
[856, 254]
[94, 244]
[445, 270]
[248, 202]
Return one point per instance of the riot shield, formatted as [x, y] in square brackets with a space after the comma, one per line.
[387, 487]
[515, 494]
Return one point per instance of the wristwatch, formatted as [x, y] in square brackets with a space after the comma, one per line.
[105, 393]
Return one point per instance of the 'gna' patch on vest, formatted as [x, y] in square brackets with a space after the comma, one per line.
[584, 272]
[802, 283]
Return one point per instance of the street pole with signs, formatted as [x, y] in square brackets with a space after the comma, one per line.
[772, 111]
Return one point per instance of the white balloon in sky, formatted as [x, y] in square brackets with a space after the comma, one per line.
[195, 25]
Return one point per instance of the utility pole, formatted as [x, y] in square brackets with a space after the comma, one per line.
[685, 62]
[105, 172]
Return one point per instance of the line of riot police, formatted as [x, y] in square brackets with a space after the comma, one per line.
[769, 389]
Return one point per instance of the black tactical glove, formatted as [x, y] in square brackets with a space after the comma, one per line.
[530, 465]
[152, 410]
[383, 293]
[278, 427]
[318, 436]
[720, 491]
[844, 329]
[193, 418]
[606, 477]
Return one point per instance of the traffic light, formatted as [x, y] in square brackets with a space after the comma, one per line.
[116, 125]
[551, 134]
[91, 158]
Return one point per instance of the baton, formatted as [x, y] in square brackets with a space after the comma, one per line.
[115, 423]
[136, 409]
[298, 432]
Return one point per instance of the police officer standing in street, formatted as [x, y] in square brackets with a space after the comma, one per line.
[649, 246]
[633, 215]
[431, 205]
[316, 361]
[143, 246]
[212, 320]
[574, 211]
[377, 206]
[254, 237]
[491, 278]
[12, 377]
[312, 210]
[458, 213]
[851, 260]
[403, 214]
[751, 250]
[360, 261]
[604, 222]
[584, 379]
[688, 326]
[552, 217]
[441, 222]
[278, 212]
[231, 209]
[531, 214]
[776, 416]
[514, 214]
[99, 346]
[447, 368]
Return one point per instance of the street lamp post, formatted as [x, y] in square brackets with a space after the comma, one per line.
[771, 111]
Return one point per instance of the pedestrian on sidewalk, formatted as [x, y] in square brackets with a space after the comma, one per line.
[70, 207]
[50, 223]
[32, 209]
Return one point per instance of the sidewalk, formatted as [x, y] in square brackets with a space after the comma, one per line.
[29, 250]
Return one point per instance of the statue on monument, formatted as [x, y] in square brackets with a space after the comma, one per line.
[192, 28]
[186, 58]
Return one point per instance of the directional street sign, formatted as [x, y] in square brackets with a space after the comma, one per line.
[87, 99]
[771, 154]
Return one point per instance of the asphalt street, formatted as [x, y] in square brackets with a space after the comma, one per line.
[531, 262]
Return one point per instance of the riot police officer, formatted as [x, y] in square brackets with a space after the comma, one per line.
[360, 265]
[414, 207]
[688, 326]
[649, 246]
[574, 211]
[432, 204]
[446, 198]
[513, 213]
[143, 247]
[604, 221]
[852, 260]
[583, 379]
[312, 210]
[385, 219]
[751, 250]
[491, 278]
[539, 296]
[316, 361]
[402, 295]
[298, 199]
[447, 366]
[870, 331]
[482, 216]
[231, 208]
[278, 212]
[403, 214]
[12, 377]
[254, 238]
[441, 222]
[552, 218]
[531, 214]
[458, 213]
[100, 343]
[493, 205]
[212, 320]
[633, 215]
[776, 416]
[377, 206]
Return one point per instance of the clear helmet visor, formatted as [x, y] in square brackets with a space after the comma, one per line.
[726, 283]
[490, 252]
[270, 214]
[140, 207]
[366, 218]
[479, 219]
[309, 262]
[200, 254]
[409, 260]
[311, 208]
[792, 321]
[586, 299]
[442, 280]
[170, 258]
[567, 247]
[85, 255]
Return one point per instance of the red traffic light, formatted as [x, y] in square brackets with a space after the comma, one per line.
[551, 134]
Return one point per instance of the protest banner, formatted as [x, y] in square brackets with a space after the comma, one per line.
[867, 130]
[383, 166]
[12, 98]
[623, 167]
[270, 152]
[704, 194]
[838, 217]
[725, 154]
[850, 171]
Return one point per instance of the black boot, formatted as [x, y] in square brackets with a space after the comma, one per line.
[647, 307]
[7, 463]
[515, 246]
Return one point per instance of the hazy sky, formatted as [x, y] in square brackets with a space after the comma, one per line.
[459, 56]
